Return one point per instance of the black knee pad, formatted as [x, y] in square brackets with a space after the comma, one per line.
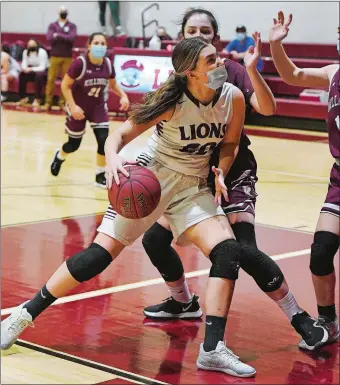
[89, 262]
[323, 250]
[225, 258]
[101, 135]
[157, 245]
[72, 145]
[266, 272]
[244, 233]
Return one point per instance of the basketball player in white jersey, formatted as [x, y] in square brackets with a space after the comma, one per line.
[178, 154]
[327, 234]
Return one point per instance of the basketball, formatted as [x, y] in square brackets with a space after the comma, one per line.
[138, 195]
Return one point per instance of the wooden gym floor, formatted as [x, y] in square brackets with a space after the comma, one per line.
[98, 333]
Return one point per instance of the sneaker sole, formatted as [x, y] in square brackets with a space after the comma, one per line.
[165, 315]
[100, 185]
[228, 371]
[324, 341]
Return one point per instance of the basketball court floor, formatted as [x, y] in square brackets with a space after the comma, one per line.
[98, 334]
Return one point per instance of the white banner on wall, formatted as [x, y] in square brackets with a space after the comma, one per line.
[141, 73]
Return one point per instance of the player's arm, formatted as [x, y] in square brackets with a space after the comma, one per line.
[289, 72]
[262, 99]
[231, 140]
[66, 89]
[124, 100]
[229, 146]
[120, 138]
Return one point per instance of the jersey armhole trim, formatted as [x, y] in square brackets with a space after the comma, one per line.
[84, 68]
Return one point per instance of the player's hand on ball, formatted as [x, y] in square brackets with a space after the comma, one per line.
[124, 103]
[114, 165]
[279, 30]
[220, 187]
[77, 113]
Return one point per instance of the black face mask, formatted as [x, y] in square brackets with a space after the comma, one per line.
[63, 15]
[32, 49]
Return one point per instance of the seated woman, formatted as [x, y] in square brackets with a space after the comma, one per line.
[33, 69]
[9, 71]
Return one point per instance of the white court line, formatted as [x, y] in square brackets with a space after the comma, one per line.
[293, 174]
[149, 282]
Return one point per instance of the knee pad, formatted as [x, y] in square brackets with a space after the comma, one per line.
[244, 233]
[225, 259]
[89, 262]
[323, 250]
[101, 134]
[72, 145]
[157, 245]
[266, 272]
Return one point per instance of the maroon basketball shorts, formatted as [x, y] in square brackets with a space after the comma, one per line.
[240, 182]
[332, 202]
[96, 115]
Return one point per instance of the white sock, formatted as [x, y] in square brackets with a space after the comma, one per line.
[99, 170]
[289, 305]
[59, 156]
[180, 292]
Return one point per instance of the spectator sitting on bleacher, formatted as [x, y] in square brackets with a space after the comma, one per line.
[238, 47]
[162, 33]
[10, 70]
[34, 67]
[61, 34]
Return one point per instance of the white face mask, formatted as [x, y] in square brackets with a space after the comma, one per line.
[216, 77]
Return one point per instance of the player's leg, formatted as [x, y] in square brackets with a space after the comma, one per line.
[181, 304]
[75, 130]
[267, 274]
[224, 253]
[100, 125]
[324, 248]
[79, 268]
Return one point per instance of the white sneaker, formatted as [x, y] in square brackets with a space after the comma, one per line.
[223, 360]
[14, 325]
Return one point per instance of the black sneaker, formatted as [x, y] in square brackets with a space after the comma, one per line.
[56, 164]
[172, 309]
[313, 335]
[331, 326]
[100, 180]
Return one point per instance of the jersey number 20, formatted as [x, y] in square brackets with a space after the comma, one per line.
[95, 91]
[197, 149]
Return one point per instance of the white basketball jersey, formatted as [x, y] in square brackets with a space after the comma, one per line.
[185, 143]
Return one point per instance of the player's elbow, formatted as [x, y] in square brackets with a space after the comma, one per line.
[269, 109]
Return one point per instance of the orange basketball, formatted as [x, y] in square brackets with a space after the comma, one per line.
[138, 195]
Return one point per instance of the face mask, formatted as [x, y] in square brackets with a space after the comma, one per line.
[216, 77]
[240, 36]
[32, 49]
[98, 51]
[63, 15]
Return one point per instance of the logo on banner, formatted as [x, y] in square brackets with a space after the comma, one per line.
[132, 71]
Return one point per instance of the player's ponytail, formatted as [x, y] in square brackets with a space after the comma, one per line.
[184, 58]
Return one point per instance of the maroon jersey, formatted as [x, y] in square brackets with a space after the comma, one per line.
[333, 123]
[91, 81]
[237, 75]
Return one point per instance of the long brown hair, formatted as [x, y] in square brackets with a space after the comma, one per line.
[184, 58]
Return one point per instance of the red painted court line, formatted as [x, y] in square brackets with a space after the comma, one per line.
[286, 135]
